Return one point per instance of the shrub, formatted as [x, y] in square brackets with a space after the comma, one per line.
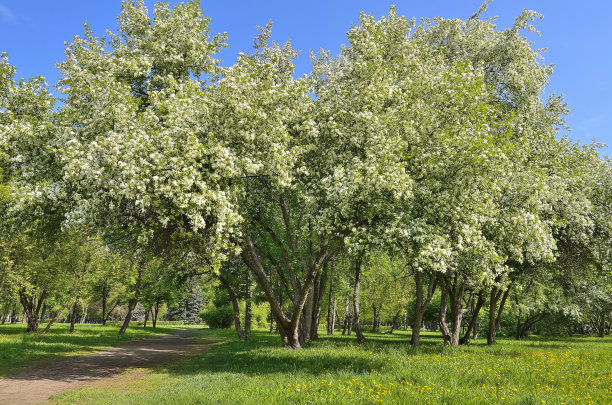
[219, 317]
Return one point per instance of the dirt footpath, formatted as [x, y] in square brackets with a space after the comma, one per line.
[38, 384]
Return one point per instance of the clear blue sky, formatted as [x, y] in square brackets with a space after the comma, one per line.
[578, 35]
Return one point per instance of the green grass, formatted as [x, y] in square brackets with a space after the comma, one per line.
[335, 370]
[20, 350]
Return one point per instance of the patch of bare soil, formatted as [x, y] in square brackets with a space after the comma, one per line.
[38, 384]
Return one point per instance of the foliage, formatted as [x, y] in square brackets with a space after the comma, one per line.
[218, 317]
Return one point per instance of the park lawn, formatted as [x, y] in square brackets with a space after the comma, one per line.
[385, 370]
[20, 350]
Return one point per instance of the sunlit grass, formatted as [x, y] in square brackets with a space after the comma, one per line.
[20, 350]
[336, 370]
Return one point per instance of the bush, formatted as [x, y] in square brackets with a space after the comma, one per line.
[218, 318]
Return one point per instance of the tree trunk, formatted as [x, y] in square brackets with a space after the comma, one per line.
[316, 316]
[446, 334]
[496, 293]
[375, 320]
[331, 309]
[248, 304]
[73, 315]
[395, 322]
[144, 325]
[420, 305]
[104, 298]
[601, 325]
[157, 301]
[85, 307]
[347, 315]
[31, 309]
[234, 301]
[133, 301]
[306, 319]
[358, 333]
[473, 325]
[453, 288]
[288, 328]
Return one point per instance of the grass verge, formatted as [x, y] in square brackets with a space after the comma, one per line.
[385, 370]
[20, 350]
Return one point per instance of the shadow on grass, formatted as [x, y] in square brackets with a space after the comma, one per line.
[20, 350]
[263, 354]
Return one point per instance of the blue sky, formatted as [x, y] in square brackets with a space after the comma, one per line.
[578, 36]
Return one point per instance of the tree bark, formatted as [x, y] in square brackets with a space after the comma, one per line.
[473, 325]
[453, 290]
[133, 301]
[375, 319]
[73, 315]
[156, 312]
[85, 308]
[523, 327]
[446, 334]
[494, 312]
[104, 299]
[306, 319]
[288, 328]
[395, 322]
[316, 317]
[420, 305]
[248, 304]
[331, 309]
[347, 316]
[234, 301]
[106, 316]
[356, 315]
[31, 309]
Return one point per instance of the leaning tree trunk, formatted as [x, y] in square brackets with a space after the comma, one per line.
[57, 314]
[235, 307]
[358, 333]
[473, 325]
[85, 308]
[494, 312]
[133, 301]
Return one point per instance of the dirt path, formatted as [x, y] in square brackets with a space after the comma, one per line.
[37, 385]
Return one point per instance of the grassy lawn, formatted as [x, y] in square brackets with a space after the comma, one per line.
[335, 370]
[19, 350]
